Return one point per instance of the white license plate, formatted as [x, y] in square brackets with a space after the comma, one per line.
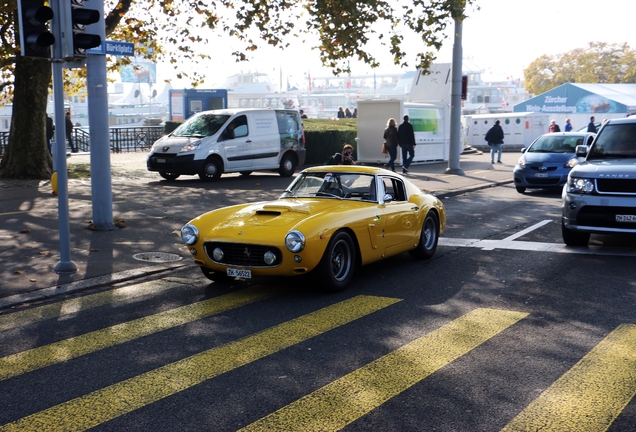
[541, 175]
[160, 160]
[625, 218]
[245, 274]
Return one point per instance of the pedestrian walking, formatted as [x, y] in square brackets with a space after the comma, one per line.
[494, 137]
[406, 140]
[591, 127]
[568, 125]
[391, 142]
[69, 132]
[554, 127]
[50, 131]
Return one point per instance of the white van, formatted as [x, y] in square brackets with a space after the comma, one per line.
[231, 140]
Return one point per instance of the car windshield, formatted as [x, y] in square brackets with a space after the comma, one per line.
[327, 184]
[615, 141]
[557, 144]
[201, 125]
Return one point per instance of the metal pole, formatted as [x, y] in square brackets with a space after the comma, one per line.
[456, 145]
[101, 185]
[65, 265]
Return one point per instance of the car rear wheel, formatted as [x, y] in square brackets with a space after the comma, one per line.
[574, 238]
[215, 276]
[337, 265]
[287, 165]
[168, 175]
[211, 170]
[428, 238]
[520, 189]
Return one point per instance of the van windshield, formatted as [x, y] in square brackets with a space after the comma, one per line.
[201, 125]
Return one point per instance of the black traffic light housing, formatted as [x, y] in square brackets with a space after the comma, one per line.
[464, 87]
[35, 37]
[76, 19]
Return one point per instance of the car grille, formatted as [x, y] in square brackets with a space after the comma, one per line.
[616, 186]
[605, 217]
[540, 168]
[550, 181]
[241, 254]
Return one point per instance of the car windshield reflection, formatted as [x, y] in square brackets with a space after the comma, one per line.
[350, 186]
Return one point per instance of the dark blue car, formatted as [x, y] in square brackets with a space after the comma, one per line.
[547, 162]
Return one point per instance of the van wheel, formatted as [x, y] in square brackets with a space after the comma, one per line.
[168, 176]
[574, 238]
[211, 171]
[287, 165]
[245, 173]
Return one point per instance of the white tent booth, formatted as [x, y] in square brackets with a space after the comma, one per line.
[429, 112]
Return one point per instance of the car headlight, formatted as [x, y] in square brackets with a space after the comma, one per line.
[522, 162]
[294, 241]
[580, 185]
[189, 234]
[191, 146]
[571, 163]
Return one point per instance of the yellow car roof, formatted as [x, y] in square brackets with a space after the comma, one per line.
[349, 168]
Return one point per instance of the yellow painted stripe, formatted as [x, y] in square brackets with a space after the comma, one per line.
[47, 355]
[592, 394]
[341, 402]
[30, 316]
[118, 399]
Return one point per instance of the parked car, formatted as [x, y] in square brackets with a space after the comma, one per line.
[211, 143]
[600, 194]
[548, 160]
[331, 220]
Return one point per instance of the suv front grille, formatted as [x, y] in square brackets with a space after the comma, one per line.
[244, 255]
[616, 186]
[605, 217]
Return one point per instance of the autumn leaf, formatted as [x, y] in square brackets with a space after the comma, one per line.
[25, 231]
[19, 272]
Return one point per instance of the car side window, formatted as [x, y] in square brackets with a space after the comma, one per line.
[395, 188]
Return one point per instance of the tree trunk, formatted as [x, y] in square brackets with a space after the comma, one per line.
[27, 155]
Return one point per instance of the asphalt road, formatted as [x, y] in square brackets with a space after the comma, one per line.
[504, 329]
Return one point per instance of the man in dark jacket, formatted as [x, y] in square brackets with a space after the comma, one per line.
[495, 137]
[50, 131]
[591, 127]
[406, 140]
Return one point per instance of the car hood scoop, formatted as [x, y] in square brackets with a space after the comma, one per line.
[277, 208]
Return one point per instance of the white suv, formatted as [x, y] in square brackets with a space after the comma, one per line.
[600, 194]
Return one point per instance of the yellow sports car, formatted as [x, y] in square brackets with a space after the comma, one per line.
[331, 220]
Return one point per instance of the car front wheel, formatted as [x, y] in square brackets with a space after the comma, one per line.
[521, 189]
[428, 238]
[337, 265]
[574, 238]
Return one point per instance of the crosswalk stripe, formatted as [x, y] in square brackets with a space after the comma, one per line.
[343, 401]
[591, 395]
[113, 401]
[47, 355]
[67, 307]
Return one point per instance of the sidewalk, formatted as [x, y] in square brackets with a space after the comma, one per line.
[152, 212]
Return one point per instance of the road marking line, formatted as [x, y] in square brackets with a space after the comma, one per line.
[126, 396]
[528, 230]
[30, 316]
[591, 395]
[57, 352]
[345, 400]
[537, 247]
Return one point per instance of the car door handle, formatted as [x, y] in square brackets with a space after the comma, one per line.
[248, 141]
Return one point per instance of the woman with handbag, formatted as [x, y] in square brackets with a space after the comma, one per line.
[391, 142]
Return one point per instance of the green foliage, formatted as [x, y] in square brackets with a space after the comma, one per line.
[324, 137]
[598, 63]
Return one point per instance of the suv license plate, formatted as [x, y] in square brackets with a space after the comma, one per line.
[245, 274]
[625, 218]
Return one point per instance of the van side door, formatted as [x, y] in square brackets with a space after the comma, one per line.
[237, 143]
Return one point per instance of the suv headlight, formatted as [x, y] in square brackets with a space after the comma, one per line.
[580, 185]
[294, 241]
[191, 146]
[189, 234]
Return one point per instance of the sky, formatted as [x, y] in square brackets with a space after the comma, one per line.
[502, 38]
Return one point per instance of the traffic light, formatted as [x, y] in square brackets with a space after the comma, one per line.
[35, 37]
[76, 19]
[464, 87]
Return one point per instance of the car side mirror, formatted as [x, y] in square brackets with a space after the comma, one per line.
[387, 198]
[523, 150]
[581, 150]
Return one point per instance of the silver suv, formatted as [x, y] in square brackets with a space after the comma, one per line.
[600, 194]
